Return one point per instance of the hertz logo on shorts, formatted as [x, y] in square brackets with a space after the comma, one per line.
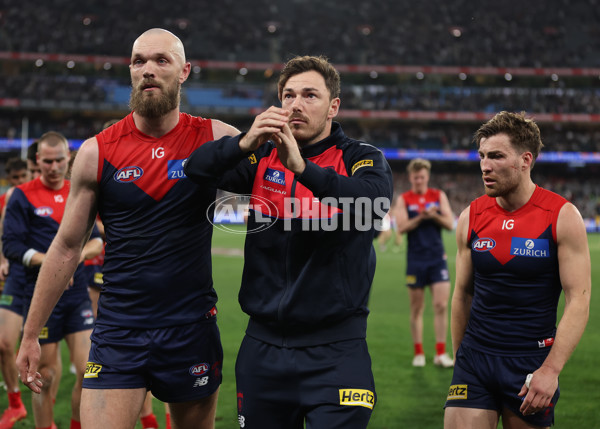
[44, 333]
[363, 163]
[357, 398]
[457, 391]
[98, 279]
[92, 370]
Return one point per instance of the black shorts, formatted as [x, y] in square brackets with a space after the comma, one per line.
[327, 386]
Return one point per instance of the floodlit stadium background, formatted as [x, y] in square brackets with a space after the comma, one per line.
[418, 78]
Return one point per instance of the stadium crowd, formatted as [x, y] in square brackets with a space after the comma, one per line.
[462, 32]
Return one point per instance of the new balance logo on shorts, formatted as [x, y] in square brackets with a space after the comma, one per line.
[457, 391]
[357, 398]
[203, 381]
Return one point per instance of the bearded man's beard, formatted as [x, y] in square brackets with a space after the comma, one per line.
[154, 106]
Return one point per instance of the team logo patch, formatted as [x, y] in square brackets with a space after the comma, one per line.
[199, 369]
[530, 247]
[457, 391]
[44, 211]
[483, 245]
[357, 398]
[92, 370]
[360, 164]
[175, 168]
[128, 174]
[275, 176]
[44, 333]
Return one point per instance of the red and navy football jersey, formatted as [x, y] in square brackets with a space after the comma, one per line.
[425, 241]
[516, 276]
[157, 266]
[33, 215]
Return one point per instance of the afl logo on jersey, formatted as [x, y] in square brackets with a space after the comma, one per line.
[199, 369]
[44, 211]
[128, 174]
[483, 245]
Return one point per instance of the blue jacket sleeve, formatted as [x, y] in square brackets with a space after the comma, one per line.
[222, 163]
[16, 227]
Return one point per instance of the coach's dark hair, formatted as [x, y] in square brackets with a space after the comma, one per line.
[306, 63]
[523, 133]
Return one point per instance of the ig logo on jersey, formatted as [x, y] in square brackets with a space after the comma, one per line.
[483, 245]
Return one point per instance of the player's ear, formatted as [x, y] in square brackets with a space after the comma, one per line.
[527, 160]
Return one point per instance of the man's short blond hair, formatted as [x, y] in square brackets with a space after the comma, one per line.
[418, 164]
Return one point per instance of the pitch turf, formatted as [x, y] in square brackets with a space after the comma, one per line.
[408, 397]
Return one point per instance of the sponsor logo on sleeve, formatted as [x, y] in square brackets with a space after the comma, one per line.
[360, 164]
[357, 398]
[175, 169]
[92, 370]
[457, 391]
[483, 245]
[530, 247]
[128, 174]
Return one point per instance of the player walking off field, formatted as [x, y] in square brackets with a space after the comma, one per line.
[309, 256]
[156, 328]
[422, 212]
[519, 247]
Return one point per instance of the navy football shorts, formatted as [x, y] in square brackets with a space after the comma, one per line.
[178, 363]
[327, 386]
[421, 273]
[491, 382]
[93, 275]
[13, 295]
[67, 317]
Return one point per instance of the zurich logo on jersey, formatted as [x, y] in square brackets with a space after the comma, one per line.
[199, 369]
[175, 169]
[128, 174]
[483, 245]
[530, 247]
[275, 176]
[44, 211]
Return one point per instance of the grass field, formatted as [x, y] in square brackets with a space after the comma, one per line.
[408, 397]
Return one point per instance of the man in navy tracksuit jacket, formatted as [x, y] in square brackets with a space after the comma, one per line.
[316, 197]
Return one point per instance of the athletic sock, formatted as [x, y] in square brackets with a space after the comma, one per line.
[75, 424]
[168, 421]
[14, 399]
[440, 348]
[419, 349]
[149, 421]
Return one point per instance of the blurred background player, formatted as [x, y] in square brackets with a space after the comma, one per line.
[11, 310]
[421, 213]
[32, 164]
[33, 214]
